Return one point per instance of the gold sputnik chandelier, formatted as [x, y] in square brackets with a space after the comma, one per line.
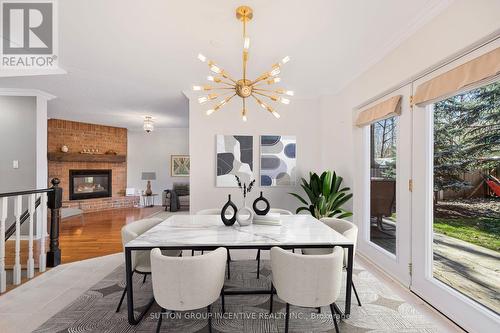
[224, 87]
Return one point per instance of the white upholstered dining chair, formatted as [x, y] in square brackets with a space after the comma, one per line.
[272, 211]
[215, 211]
[346, 228]
[307, 281]
[141, 263]
[188, 283]
[209, 211]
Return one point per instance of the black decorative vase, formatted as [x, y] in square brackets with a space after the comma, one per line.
[257, 210]
[229, 203]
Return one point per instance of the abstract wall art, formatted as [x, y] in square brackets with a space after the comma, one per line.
[234, 158]
[278, 160]
[179, 165]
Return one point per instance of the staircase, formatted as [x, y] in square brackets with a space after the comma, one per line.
[39, 202]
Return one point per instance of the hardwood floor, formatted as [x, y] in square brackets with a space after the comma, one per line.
[97, 234]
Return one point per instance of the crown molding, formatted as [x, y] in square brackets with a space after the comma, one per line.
[26, 92]
[31, 72]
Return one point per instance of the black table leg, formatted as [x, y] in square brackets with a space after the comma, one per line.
[348, 291]
[130, 293]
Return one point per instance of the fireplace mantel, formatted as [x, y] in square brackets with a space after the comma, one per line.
[78, 157]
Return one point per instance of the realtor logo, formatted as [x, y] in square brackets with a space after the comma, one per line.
[28, 34]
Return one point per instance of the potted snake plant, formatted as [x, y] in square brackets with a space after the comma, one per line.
[325, 195]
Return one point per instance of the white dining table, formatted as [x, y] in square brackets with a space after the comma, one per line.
[207, 232]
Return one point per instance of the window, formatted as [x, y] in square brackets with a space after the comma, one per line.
[466, 224]
[383, 137]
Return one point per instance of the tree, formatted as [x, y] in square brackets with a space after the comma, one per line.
[383, 147]
[466, 136]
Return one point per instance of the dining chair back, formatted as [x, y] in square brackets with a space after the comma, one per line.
[187, 283]
[210, 211]
[346, 228]
[141, 262]
[307, 281]
[280, 211]
[133, 230]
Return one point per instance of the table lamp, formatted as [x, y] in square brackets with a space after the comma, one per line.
[149, 176]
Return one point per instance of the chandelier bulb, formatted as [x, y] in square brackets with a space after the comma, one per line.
[285, 60]
[204, 99]
[289, 92]
[284, 100]
[197, 88]
[246, 43]
[201, 57]
[275, 71]
[214, 68]
[276, 114]
[274, 80]
[209, 112]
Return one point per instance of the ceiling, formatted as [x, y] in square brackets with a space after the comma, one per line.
[126, 59]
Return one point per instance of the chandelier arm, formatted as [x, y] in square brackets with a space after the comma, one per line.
[227, 76]
[259, 101]
[223, 88]
[269, 90]
[264, 105]
[244, 111]
[265, 95]
[227, 83]
[216, 98]
[260, 78]
[245, 52]
[226, 101]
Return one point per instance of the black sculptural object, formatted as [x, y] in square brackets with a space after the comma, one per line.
[230, 221]
[257, 210]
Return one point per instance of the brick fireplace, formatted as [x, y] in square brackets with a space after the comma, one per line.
[89, 189]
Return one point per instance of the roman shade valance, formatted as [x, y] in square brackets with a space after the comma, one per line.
[385, 109]
[472, 73]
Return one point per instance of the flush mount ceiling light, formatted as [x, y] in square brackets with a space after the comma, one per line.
[148, 124]
[224, 87]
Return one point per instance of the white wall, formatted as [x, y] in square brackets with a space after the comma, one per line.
[460, 25]
[151, 152]
[300, 118]
[18, 120]
[23, 137]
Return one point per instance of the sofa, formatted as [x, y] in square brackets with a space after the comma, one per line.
[176, 198]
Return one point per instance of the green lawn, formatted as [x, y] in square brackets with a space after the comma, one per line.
[482, 231]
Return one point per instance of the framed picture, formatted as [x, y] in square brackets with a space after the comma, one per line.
[234, 158]
[179, 165]
[278, 160]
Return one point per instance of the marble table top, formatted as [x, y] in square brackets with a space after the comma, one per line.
[208, 230]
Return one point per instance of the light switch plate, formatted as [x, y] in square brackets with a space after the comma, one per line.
[15, 164]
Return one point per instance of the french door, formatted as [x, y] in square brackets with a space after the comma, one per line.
[454, 256]
[384, 198]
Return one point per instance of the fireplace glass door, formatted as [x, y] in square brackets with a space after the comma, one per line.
[87, 184]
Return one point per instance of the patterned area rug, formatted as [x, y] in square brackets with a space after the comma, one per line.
[382, 309]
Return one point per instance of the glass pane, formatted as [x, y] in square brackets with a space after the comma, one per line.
[466, 194]
[90, 184]
[383, 184]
